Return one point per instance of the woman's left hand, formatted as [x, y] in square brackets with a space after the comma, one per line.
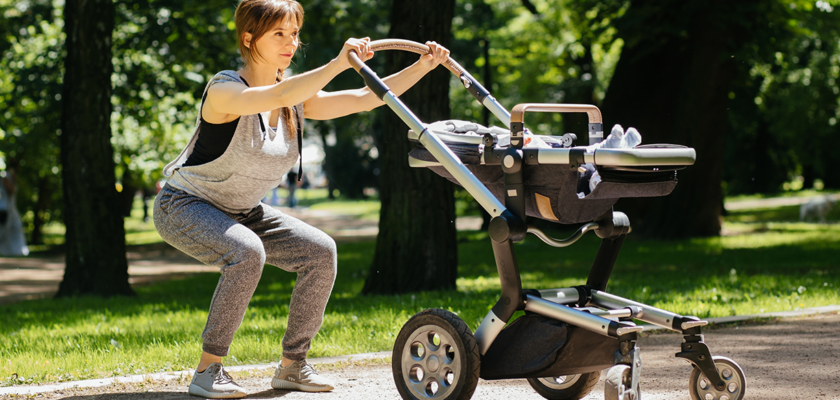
[438, 54]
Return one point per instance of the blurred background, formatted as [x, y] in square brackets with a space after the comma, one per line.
[751, 84]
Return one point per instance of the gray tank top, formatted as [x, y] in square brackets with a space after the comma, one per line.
[254, 162]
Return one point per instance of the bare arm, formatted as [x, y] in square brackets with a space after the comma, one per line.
[329, 105]
[229, 100]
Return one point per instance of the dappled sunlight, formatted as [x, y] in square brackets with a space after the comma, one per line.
[787, 266]
[781, 238]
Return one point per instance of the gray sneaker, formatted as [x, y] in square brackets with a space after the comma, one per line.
[215, 383]
[300, 375]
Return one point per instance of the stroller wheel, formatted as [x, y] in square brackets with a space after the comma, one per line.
[436, 357]
[700, 388]
[567, 387]
[617, 384]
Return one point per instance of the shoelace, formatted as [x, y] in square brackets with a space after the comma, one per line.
[221, 377]
[307, 367]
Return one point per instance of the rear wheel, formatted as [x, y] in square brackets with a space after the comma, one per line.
[566, 387]
[435, 357]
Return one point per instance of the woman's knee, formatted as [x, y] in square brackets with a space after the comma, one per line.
[323, 256]
[327, 252]
[242, 253]
[250, 254]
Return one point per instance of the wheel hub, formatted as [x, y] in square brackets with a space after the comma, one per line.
[433, 364]
[430, 362]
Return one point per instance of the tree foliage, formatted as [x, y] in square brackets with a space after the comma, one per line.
[31, 61]
[782, 99]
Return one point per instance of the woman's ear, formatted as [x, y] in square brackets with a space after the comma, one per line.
[246, 39]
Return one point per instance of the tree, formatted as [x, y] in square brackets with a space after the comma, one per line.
[95, 237]
[672, 83]
[786, 103]
[31, 53]
[416, 248]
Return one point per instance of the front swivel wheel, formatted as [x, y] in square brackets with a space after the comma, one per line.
[435, 357]
[701, 388]
[618, 384]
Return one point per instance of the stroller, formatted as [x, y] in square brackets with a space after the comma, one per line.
[568, 335]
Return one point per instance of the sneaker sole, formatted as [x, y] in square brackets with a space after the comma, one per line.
[196, 390]
[282, 384]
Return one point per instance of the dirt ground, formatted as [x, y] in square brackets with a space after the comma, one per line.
[791, 358]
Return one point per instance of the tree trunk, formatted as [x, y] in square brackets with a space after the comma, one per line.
[416, 248]
[95, 238]
[674, 89]
[37, 236]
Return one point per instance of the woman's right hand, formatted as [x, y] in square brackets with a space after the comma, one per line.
[360, 46]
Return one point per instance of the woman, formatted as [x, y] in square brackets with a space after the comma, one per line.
[246, 140]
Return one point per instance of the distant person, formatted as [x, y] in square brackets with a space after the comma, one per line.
[291, 182]
[12, 239]
[246, 139]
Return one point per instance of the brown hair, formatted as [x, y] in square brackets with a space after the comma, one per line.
[257, 17]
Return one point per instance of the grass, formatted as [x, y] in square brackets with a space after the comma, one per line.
[787, 193]
[762, 266]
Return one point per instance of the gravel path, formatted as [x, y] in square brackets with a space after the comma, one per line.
[791, 358]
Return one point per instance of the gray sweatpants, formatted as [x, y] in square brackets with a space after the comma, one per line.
[240, 244]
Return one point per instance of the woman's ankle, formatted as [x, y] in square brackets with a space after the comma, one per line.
[206, 360]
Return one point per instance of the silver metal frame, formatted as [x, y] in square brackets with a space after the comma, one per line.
[446, 157]
[553, 303]
[645, 157]
[497, 109]
[487, 331]
[614, 306]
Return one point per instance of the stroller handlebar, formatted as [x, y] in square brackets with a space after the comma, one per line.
[481, 94]
[431, 142]
[405, 45]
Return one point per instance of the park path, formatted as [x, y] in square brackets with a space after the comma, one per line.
[787, 358]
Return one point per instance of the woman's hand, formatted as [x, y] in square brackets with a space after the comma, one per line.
[360, 46]
[437, 55]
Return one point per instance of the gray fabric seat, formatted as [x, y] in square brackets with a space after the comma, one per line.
[552, 189]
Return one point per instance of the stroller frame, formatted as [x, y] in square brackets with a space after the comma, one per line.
[589, 307]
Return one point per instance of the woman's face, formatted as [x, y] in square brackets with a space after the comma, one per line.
[279, 44]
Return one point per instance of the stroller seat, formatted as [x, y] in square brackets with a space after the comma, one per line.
[551, 177]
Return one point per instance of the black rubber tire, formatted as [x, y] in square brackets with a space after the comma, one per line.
[463, 349]
[736, 377]
[575, 391]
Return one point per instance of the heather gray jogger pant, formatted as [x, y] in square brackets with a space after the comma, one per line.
[240, 244]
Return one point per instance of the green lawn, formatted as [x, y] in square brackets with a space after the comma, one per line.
[764, 266]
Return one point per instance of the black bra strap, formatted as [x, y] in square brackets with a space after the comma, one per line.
[300, 143]
[259, 116]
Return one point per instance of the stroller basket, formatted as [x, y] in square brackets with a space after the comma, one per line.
[551, 189]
